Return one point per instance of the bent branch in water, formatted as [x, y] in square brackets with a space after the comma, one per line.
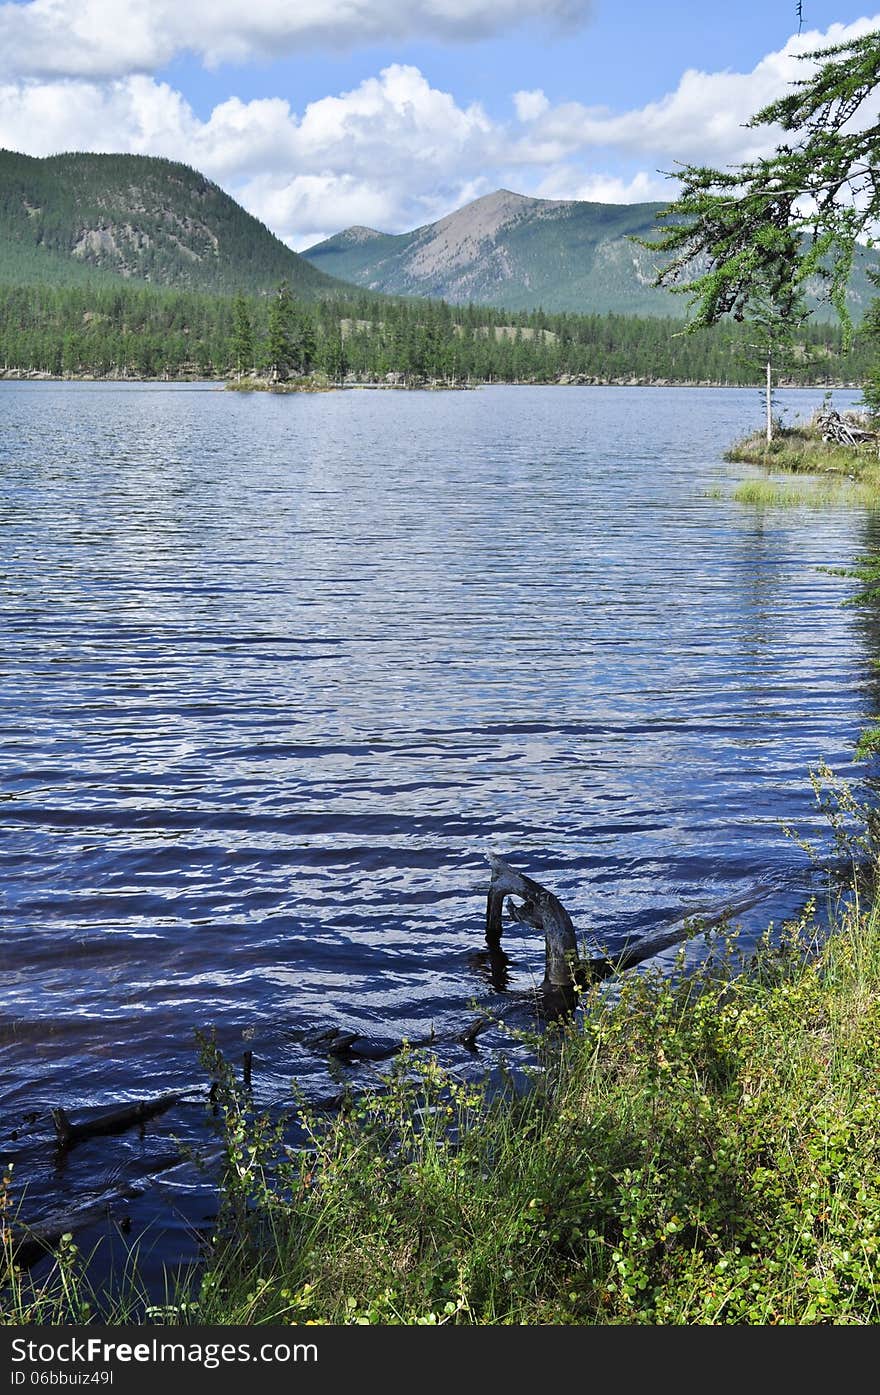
[543, 911]
[564, 969]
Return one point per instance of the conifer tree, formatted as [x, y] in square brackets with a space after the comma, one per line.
[242, 346]
[768, 225]
[279, 338]
[304, 341]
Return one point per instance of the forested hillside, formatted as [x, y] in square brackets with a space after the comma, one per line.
[75, 218]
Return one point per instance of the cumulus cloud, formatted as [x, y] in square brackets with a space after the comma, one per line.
[568, 182]
[531, 105]
[703, 120]
[135, 115]
[395, 152]
[114, 38]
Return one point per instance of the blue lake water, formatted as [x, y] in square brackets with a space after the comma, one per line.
[278, 672]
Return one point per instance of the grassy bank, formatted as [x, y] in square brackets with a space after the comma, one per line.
[313, 382]
[809, 493]
[832, 474]
[801, 450]
[703, 1150]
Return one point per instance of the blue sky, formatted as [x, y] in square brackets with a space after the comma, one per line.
[623, 55]
[318, 114]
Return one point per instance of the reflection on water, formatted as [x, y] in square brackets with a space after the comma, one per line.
[279, 672]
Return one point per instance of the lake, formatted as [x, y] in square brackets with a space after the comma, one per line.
[280, 671]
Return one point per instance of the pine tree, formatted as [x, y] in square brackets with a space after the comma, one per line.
[767, 226]
[304, 340]
[242, 344]
[332, 355]
[279, 338]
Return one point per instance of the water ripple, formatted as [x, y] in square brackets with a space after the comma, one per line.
[276, 675]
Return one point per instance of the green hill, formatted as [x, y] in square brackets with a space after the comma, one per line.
[524, 254]
[74, 218]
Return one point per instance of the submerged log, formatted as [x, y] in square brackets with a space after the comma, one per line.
[564, 968]
[350, 1047]
[543, 911]
[113, 1120]
[30, 1243]
[468, 1038]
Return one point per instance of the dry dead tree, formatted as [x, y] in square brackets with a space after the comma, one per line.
[543, 911]
[839, 430]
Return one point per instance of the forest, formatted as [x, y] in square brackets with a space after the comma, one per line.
[118, 330]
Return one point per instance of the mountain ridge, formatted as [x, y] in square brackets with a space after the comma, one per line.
[513, 251]
[517, 252]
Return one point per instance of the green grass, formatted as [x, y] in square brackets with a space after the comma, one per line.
[705, 1149]
[824, 494]
[868, 744]
[314, 382]
[842, 476]
[801, 450]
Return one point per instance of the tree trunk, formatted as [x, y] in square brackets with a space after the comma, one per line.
[769, 395]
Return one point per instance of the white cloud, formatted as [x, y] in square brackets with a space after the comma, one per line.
[531, 105]
[315, 206]
[567, 182]
[392, 152]
[395, 152]
[136, 115]
[702, 121]
[113, 38]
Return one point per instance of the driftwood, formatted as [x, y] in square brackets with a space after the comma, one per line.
[543, 911]
[113, 1120]
[31, 1243]
[468, 1038]
[836, 428]
[352, 1046]
[564, 969]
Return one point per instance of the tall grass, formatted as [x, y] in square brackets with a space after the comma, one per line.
[801, 450]
[824, 494]
[844, 475]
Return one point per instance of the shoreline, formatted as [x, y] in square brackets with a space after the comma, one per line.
[697, 1152]
[10, 375]
[800, 450]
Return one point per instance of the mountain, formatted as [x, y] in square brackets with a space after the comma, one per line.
[512, 251]
[72, 218]
[522, 253]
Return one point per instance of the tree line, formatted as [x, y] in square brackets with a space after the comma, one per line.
[143, 332]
